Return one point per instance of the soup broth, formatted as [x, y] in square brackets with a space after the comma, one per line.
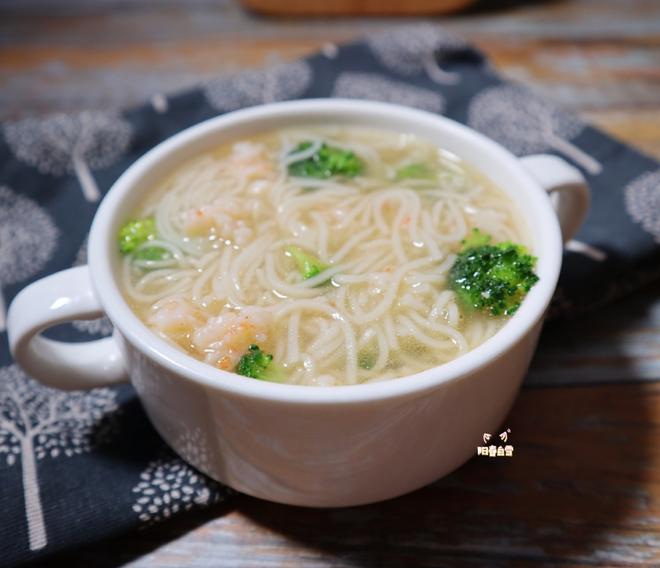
[259, 248]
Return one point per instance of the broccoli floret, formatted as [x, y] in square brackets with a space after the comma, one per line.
[366, 359]
[414, 171]
[326, 162]
[492, 278]
[476, 239]
[136, 232]
[308, 265]
[259, 365]
[152, 253]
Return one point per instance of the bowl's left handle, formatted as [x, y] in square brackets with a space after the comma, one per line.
[59, 298]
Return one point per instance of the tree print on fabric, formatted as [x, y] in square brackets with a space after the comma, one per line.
[353, 85]
[169, 485]
[28, 238]
[279, 82]
[413, 49]
[160, 103]
[38, 423]
[193, 444]
[587, 250]
[526, 124]
[642, 199]
[71, 143]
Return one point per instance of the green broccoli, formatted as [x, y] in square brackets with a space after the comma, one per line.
[308, 265]
[492, 278]
[326, 162]
[414, 171]
[366, 359]
[152, 253]
[259, 365]
[137, 232]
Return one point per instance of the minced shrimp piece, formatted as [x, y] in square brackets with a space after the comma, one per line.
[252, 159]
[175, 316]
[225, 216]
[225, 338]
[228, 216]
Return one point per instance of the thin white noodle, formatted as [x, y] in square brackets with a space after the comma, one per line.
[293, 351]
[291, 157]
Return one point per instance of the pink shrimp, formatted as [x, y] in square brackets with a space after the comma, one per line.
[252, 159]
[225, 216]
[175, 316]
[225, 338]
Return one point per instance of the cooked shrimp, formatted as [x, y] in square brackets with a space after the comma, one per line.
[175, 316]
[252, 159]
[225, 338]
[224, 216]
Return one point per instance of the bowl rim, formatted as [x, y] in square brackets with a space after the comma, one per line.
[544, 223]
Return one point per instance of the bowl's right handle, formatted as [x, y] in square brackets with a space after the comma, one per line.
[567, 188]
[58, 298]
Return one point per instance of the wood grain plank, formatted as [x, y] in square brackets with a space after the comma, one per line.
[640, 128]
[98, 56]
[620, 342]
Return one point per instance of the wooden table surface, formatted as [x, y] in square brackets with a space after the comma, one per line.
[583, 488]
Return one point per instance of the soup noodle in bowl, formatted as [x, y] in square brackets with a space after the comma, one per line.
[314, 446]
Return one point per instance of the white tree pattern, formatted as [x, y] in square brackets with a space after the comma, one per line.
[71, 143]
[99, 326]
[278, 82]
[409, 50]
[354, 85]
[37, 422]
[160, 103]
[168, 486]
[526, 124]
[587, 250]
[642, 199]
[330, 50]
[193, 444]
[28, 237]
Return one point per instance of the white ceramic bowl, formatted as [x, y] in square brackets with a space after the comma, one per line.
[314, 446]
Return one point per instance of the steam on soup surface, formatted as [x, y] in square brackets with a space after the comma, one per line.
[325, 256]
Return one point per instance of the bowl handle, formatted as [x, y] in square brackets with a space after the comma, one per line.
[55, 299]
[567, 187]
